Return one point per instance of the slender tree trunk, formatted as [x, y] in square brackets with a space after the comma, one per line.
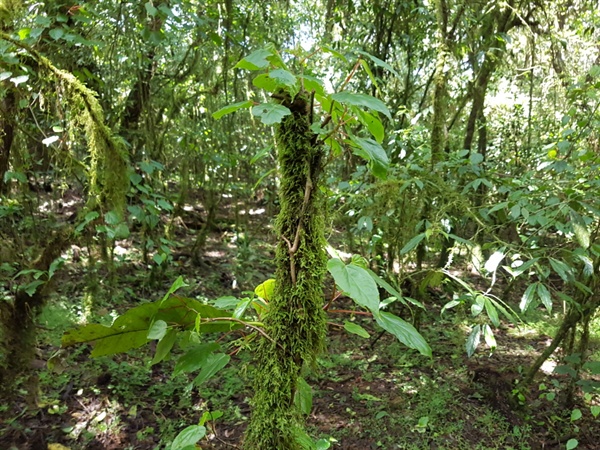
[7, 133]
[295, 320]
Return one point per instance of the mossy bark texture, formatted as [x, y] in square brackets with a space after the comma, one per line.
[295, 320]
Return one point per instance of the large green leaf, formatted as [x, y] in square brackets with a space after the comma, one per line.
[364, 100]
[130, 330]
[356, 282]
[545, 296]
[373, 124]
[404, 331]
[374, 153]
[164, 346]
[270, 113]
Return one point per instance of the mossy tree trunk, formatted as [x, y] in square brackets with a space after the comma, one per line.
[295, 321]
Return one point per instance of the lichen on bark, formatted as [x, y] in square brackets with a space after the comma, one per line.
[295, 320]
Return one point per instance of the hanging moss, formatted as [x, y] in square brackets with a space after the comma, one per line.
[295, 321]
[107, 174]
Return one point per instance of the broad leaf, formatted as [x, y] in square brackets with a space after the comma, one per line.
[390, 289]
[231, 109]
[356, 329]
[194, 358]
[404, 332]
[130, 330]
[374, 153]
[188, 437]
[214, 363]
[265, 290]
[255, 61]
[270, 113]
[157, 330]
[364, 100]
[373, 124]
[561, 269]
[356, 283]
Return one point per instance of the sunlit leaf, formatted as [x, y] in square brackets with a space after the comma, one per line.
[188, 437]
[488, 336]
[527, 297]
[265, 290]
[157, 330]
[270, 113]
[356, 283]
[164, 346]
[255, 61]
[492, 312]
[473, 340]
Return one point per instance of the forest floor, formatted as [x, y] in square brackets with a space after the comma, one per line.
[368, 393]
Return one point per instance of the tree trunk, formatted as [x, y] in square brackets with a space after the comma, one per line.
[7, 133]
[295, 321]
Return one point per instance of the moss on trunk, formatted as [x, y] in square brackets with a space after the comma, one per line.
[295, 321]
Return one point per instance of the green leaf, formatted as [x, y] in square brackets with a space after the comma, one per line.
[164, 346]
[356, 329]
[188, 437]
[265, 82]
[390, 289]
[270, 113]
[561, 269]
[214, 363]
[488, 336]
[194, 358]
[582, 234]
[231, 109]
[576, 414]
[492, 312]
[571, 444]
[157, 330]
[356, 283]
[322, 444]
[451, 304]
[473, 340]
[178, 283]
[373, 124]
[283, 77]
[380, 63]
[412, 243]
[150, 9]
[130, 330]
[545, 296]
[515, 272]
[374, 153]
[527, 297]
[595, 410]
[364, 100]
[304, 396]
[265, 290]
[404, 332]
[255, 61]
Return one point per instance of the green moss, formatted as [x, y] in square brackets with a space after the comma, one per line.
[295, 321]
